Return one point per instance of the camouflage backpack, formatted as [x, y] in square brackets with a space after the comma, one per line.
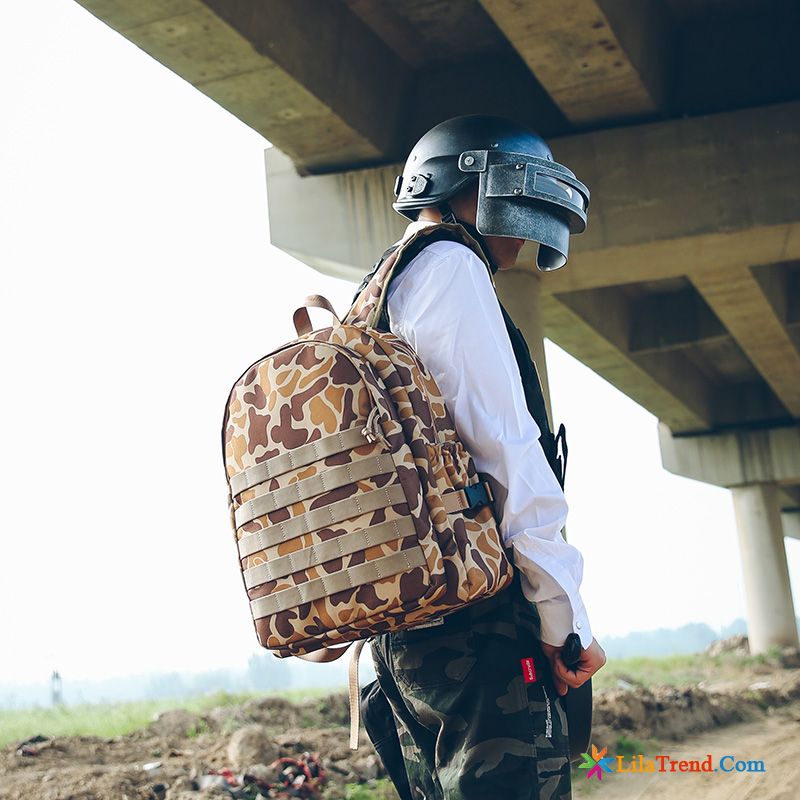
[356, 509]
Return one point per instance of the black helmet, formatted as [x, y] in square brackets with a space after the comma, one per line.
[522, 192]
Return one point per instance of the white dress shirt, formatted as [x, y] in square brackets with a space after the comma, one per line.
[444, 305]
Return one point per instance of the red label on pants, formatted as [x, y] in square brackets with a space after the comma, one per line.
[528, 670]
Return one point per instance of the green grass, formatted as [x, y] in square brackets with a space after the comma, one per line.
[114, 719]
[375, 790]
[107, 720]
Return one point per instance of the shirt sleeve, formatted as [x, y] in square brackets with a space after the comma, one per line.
[444, 305]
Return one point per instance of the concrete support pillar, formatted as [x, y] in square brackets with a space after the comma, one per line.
[761, 467]
[518, 290]
[768, 594]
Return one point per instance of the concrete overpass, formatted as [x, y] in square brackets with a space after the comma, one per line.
[682, 116]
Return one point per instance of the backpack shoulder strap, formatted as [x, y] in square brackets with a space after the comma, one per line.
[369, 309]
[534, 399]
[369, 304]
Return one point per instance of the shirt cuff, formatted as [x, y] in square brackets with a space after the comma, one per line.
[560, 613]
[559, 619]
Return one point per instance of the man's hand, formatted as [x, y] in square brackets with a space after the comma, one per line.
[591, 659]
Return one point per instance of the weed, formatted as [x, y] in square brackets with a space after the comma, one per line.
[198, 729]
[374, 790]
[628, 746]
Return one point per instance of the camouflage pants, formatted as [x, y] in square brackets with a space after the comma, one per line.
[470, 725]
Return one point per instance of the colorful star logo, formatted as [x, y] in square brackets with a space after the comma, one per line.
[596, 763]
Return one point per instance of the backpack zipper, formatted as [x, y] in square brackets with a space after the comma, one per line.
[373, 430]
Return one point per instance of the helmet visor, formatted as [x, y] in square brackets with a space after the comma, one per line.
[528, 198]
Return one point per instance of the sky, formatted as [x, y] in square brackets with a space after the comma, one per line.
[137, 283]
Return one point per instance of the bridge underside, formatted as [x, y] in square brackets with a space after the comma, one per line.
[682, 116]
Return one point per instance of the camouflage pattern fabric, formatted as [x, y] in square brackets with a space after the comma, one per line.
[328, 383]
[376, 714]
[469, 724]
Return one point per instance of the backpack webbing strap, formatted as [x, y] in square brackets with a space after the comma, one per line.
[328, 550]
[320, 518]
[353, 693]
[410, 249]
[327, 654]
[324, 481]
[299, 457]
[316, 589]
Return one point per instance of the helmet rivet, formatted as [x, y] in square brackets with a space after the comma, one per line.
[517, 190]
[518, 166]
[469, 161]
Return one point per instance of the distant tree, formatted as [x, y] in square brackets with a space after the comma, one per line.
[215, 681]
[167, 685]
[266, 672]
[736, 628]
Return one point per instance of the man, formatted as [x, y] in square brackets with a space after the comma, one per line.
[476, 699]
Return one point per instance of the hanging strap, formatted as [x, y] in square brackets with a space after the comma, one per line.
[328, 654]
[325, 655]
[302, 322]
[353, 693]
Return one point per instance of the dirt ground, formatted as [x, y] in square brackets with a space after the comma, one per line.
[755, 716]
[775, 739]
[161, 761]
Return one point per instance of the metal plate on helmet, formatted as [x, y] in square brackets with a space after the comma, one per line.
[530, 198]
